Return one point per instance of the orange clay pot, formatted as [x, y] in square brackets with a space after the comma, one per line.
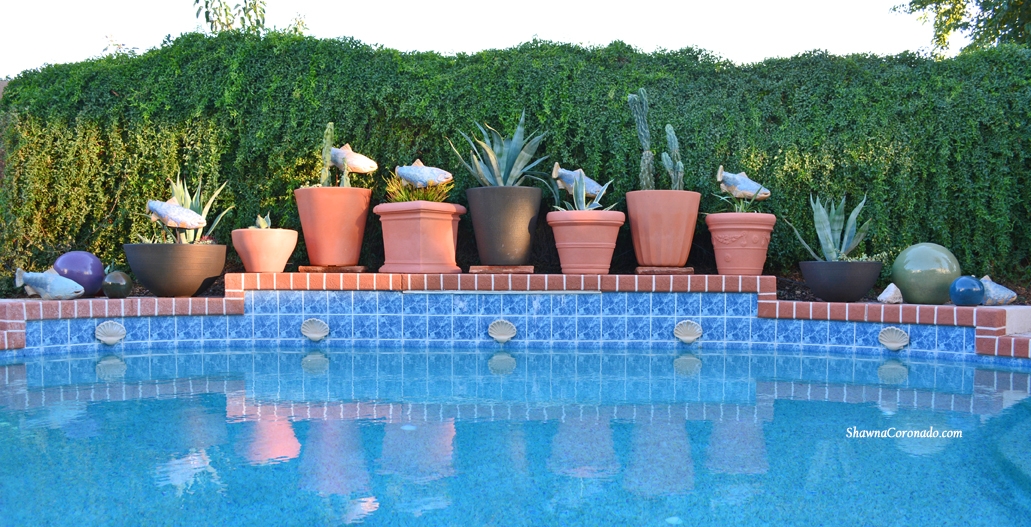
[585, 239]
[662, 224]
[740, 240]
[419, 236]
[264, 250]
[333, 223]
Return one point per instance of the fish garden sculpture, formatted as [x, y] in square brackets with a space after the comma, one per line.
[420, 176]
[566, 178]
[740, 186]
[348, 160]
[48, 285]
[171, 214]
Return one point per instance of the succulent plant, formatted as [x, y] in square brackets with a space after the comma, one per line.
[500, 161]
[639, 108]
[837, 238]
[579, 195]
[325, 179]
[262, 223]
[400, 190]
[195, 202]
[671, 160]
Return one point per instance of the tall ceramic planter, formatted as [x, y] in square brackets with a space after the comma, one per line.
[504, 220]
[333, 223]
[662, 224]
[264, 250]
[740, 241]
[176, 269]
[585, 239]
[840, 281]
[419, 236]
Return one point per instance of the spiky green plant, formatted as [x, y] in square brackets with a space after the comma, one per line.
[326, 177]
[837, 238]
[639, 108]
[262, 223]
[400, 190]
[501, 162]
[195, 202]
[579, 195]
[671, 160]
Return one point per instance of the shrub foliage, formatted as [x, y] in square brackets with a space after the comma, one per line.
[940, 147]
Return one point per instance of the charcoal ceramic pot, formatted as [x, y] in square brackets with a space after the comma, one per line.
[840, 281]
[504, 220]
[176, 269]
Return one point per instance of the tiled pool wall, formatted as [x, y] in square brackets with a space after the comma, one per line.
[610, 314]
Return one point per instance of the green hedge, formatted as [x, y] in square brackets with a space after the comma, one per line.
[940, 147]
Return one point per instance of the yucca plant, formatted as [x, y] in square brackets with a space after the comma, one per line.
[579, 195]
[194, 202]
[499, 161]
[837, 238]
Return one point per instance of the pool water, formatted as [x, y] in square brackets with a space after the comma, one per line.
[418, 437]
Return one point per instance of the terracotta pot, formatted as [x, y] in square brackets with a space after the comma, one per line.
[419, 236]
[585, 239]
[175, 269]
[504, 220]
[840, 281]
[333, 223]
[264, 250]
[662, 224]
[740, 240]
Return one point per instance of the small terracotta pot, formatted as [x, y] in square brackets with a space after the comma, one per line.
[585, 239]
[740, 241]
[419, 236]
[662, 224]
[264, 250]
[333, 223]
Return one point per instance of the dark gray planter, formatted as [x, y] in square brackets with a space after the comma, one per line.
[840, 281]
[176, 269]
[504, 220]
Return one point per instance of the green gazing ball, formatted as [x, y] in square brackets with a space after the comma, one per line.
[924, 272]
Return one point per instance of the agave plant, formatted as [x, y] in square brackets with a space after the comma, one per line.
[837, 238]
[499, 161]
[579, 195]
[194, 202]
[262, 223]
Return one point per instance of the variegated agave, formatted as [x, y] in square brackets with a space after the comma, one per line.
[579, 195]
[194, 202]
[837, 238]
[500, 161]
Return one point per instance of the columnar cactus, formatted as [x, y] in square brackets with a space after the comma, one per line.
[671, 160]
[327, 157]
[639, 108]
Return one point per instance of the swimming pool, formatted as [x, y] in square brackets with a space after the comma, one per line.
[536, 437]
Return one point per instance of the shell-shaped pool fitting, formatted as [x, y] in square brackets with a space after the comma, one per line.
[893, 338]
[687, 365]
[315, 363]
[110, 368]
[687, 331]
[314, 329]
[501, 330]
[501, 363]
[892, 372]
[110, 332]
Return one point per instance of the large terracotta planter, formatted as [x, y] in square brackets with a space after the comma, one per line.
[662, 224]
[333, 223]
[176, 269]
[264, 250]
[419, 236]
[504, 220]
[585, 239]
[740, 241]
[840, 281]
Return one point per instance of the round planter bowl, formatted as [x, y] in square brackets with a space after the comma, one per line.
[419, 236]
[176, 269]
[740, 241]
[585, 239]
[840, 281]
[264, 250]
[662, 224]
[333, 223]
[504, 220]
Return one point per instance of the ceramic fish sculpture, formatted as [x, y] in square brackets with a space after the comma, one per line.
[995, 294]
[739, 186]
[419, 175]
[348, 160]
[566, 178]
[172, 214]
[48, 285]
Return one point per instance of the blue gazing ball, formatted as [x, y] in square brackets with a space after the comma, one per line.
[966, 291]
[82, 267]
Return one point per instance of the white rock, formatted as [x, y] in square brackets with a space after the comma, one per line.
[890, 295]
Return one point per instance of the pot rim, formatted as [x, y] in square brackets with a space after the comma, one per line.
[406, 206]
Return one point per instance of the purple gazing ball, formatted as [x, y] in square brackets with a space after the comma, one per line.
[82, 267]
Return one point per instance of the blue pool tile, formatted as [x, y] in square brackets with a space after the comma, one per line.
[266, 302]
[664, 304]
[241, 362]
[339, 302]
[414, 326]
[563, 365]
[82, 331]
[489, 304]
[588, 305]
[339, 326]
[950, 338]
[438, 328]
[389, 326]
[137, 329]
[34, 334]
[563, 305]
[763, 365]
[464, 304]
[921, 376]
[787, 366]
[764, 330]
[789, 331]
[588, 365]
[291, 302]
[241, 327]
[266, 327]
[740, 304]
[814, 331]
[189, 365]
[389, 302]
[737, 392]
[415, 303]
[737, 367]
[188, 328]
[738, 329]
[713, 329]
[638, 304]
[248, 302]
[538, 304]
[563, 328]
[714, 305]
[439, 304]
[949, 378]
[464, 327]
[162, 328]
[613, 304]
[315, 302]
[866, 334]
[365, 302]
[215, 363]
[613, 328]
[465, 364]
[415, 365]
[923, 337]
[538, 328]
[814, 369]
[689, 304]
[841, 333]
[839, 370]
[662, 328]
[968, 340]
[513, 304]
[290, 326]
[588, 327]
[613, 366]
[214, 327]
[438, 365]
[638, 329]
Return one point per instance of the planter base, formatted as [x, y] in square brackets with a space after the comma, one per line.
[665, 270]
[331, 268]
[500, 269]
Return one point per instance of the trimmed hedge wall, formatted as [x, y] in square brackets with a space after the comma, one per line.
[939, 147]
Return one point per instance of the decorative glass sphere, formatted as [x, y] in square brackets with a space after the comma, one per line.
[82, 267]
[117, 285]
[967, 291]
[924, 272]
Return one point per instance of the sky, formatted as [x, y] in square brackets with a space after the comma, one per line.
[744, 31]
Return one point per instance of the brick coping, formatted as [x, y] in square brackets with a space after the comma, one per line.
[990, 323]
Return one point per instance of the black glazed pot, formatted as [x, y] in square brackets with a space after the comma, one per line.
[504, 220]
[176, 269]
[840, 281]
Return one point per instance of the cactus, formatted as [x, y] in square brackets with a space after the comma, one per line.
[639, 108]
[671, 160]
[327, 149]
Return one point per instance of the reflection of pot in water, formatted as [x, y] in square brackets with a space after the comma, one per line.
[271, 439]
[333, 463]
[918, 421]
[418, 453]
[184, 471]
[660, 459]
[583, 448]
[737, 447]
